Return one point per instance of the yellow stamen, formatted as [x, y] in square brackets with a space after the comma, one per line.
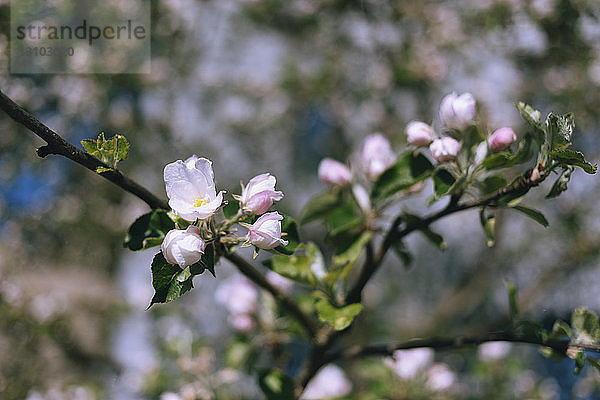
[200, 201]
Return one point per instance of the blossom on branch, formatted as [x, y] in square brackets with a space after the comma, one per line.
[457, 112]
[259, 194]
[444, 149]
[191, 188]
[419, 133]
[334, 173]
[502, 138]
[183, 247]
[265, 233]
[376, 156]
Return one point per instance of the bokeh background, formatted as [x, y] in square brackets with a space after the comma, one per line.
[276, 85]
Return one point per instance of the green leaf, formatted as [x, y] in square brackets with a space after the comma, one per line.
[169, 281]
[338, 317]
[497, 160]
[532, 116]
[585, 326]
[207, 262]
[148, 230]
[530, 330]
[442, 182]
[276, 385]
[400, 249]
[489, 227]
[574, 158]
[345, 220]
[435, 238]
[560, 130]
[289, 232]
[492, 184]
[152, 241]
[306, 266]
[109, 151]
[346, 257]
[525, 152]
[560, 185]
[320, 206]
[230, 209]
[100, 170]
[533, 214]
[579, 363]
[560, 330]
[409, 169]
[549, 352]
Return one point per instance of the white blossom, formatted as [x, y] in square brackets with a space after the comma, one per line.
[444, 149]
[419, 133]
[457, 112]
[330, 382]
[183, 247]
[191, 188]
[376, 156]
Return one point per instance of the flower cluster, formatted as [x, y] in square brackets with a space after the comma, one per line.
[190, 186]
[457, 113]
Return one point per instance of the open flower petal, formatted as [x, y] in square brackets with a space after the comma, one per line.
[191, 189]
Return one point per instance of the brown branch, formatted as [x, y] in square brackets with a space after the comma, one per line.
[560, 346]
[57, 145]
[317, 357]
[255, 276]
[519, 187]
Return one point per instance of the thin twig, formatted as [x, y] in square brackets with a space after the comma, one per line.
[560, 346]
[255, 276]
[57, 145]
[318, 357]
[520, 186]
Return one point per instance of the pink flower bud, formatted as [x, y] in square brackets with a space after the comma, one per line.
[376, 156]
[265, 233]
[259, 195]
[183, 247]
[501, 139]
[419, 133]
[444, 149]
[457, 112]
[334, 173]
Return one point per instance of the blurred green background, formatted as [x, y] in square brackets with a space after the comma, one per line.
[276, 85]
